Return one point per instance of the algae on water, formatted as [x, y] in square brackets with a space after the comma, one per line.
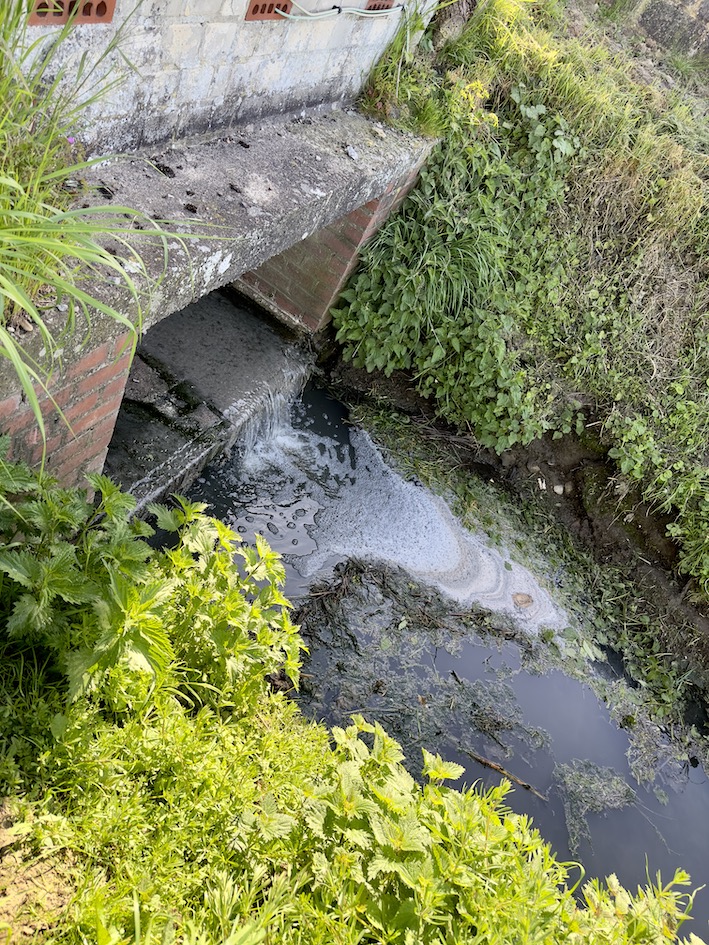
[588, 788]
[385, 646]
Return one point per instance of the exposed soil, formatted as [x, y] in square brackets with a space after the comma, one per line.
[33, 890]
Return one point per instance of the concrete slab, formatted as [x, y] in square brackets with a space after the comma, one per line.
[199, 378]
[232, 203]
[236, 201]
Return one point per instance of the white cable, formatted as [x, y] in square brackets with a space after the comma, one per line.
[319, 13]
[335, 11]
[295, 16]
[355, 12]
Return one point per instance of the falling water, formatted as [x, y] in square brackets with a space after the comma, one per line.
[321, 493]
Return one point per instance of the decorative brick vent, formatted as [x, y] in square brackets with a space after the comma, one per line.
[47, 12]
[379, 5]
[268, 11]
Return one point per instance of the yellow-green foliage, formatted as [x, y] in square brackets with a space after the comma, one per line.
[551, 267]
[186, 802]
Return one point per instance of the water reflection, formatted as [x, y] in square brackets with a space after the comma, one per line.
[386, 644]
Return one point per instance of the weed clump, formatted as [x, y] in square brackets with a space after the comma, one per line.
[549, 270]
[588, 788]
[53, 257]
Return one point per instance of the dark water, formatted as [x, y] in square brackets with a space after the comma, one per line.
[392, 647]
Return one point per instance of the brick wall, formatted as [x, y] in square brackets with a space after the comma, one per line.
[301, 285]
[89, 393]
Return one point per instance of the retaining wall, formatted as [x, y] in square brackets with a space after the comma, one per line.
[199, 65]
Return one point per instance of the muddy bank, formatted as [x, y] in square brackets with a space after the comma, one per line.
[574, 479]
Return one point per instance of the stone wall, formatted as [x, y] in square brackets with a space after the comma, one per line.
[198, 65]
[680, 25]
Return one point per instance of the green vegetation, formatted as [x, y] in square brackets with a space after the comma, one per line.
[51, 252]
[549, 272]
[661, 650]
[146, 762]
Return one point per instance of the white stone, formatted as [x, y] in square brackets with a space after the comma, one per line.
[234, 8]
[219, 41]
[195, 85]
[206, 9]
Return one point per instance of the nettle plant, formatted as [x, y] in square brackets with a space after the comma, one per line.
[187, 802]
[80, 581]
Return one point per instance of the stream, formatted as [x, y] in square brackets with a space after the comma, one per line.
[453, 645]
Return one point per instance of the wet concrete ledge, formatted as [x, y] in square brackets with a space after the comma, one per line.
[199, 380]
[231, 203]
[236, 201]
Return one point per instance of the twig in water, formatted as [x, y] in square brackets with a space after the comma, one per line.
[505, 773]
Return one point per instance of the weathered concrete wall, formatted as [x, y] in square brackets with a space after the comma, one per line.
[197, 65]
[253, 199]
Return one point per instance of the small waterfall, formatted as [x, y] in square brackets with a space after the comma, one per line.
[266, 412]
[210, 377]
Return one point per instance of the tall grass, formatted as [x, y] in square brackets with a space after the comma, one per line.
[51, 253]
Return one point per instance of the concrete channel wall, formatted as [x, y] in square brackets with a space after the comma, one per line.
[192, 66]
[284, 209]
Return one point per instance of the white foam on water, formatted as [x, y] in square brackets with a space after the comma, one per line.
[341, 500]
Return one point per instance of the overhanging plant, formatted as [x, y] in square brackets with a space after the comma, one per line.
[51, 252]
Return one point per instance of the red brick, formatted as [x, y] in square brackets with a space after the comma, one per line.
[89, 362]
[83, 405]
[90, 421]
[61, 398]
[9, 407]
[261, 285]
[64, 462]
[342, 250]
[118, 344]
[23, 420]
[102, 377]
[53, 444]
[362, 216]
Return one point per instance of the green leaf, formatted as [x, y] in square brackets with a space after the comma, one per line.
[435, 768]
[169, 520]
